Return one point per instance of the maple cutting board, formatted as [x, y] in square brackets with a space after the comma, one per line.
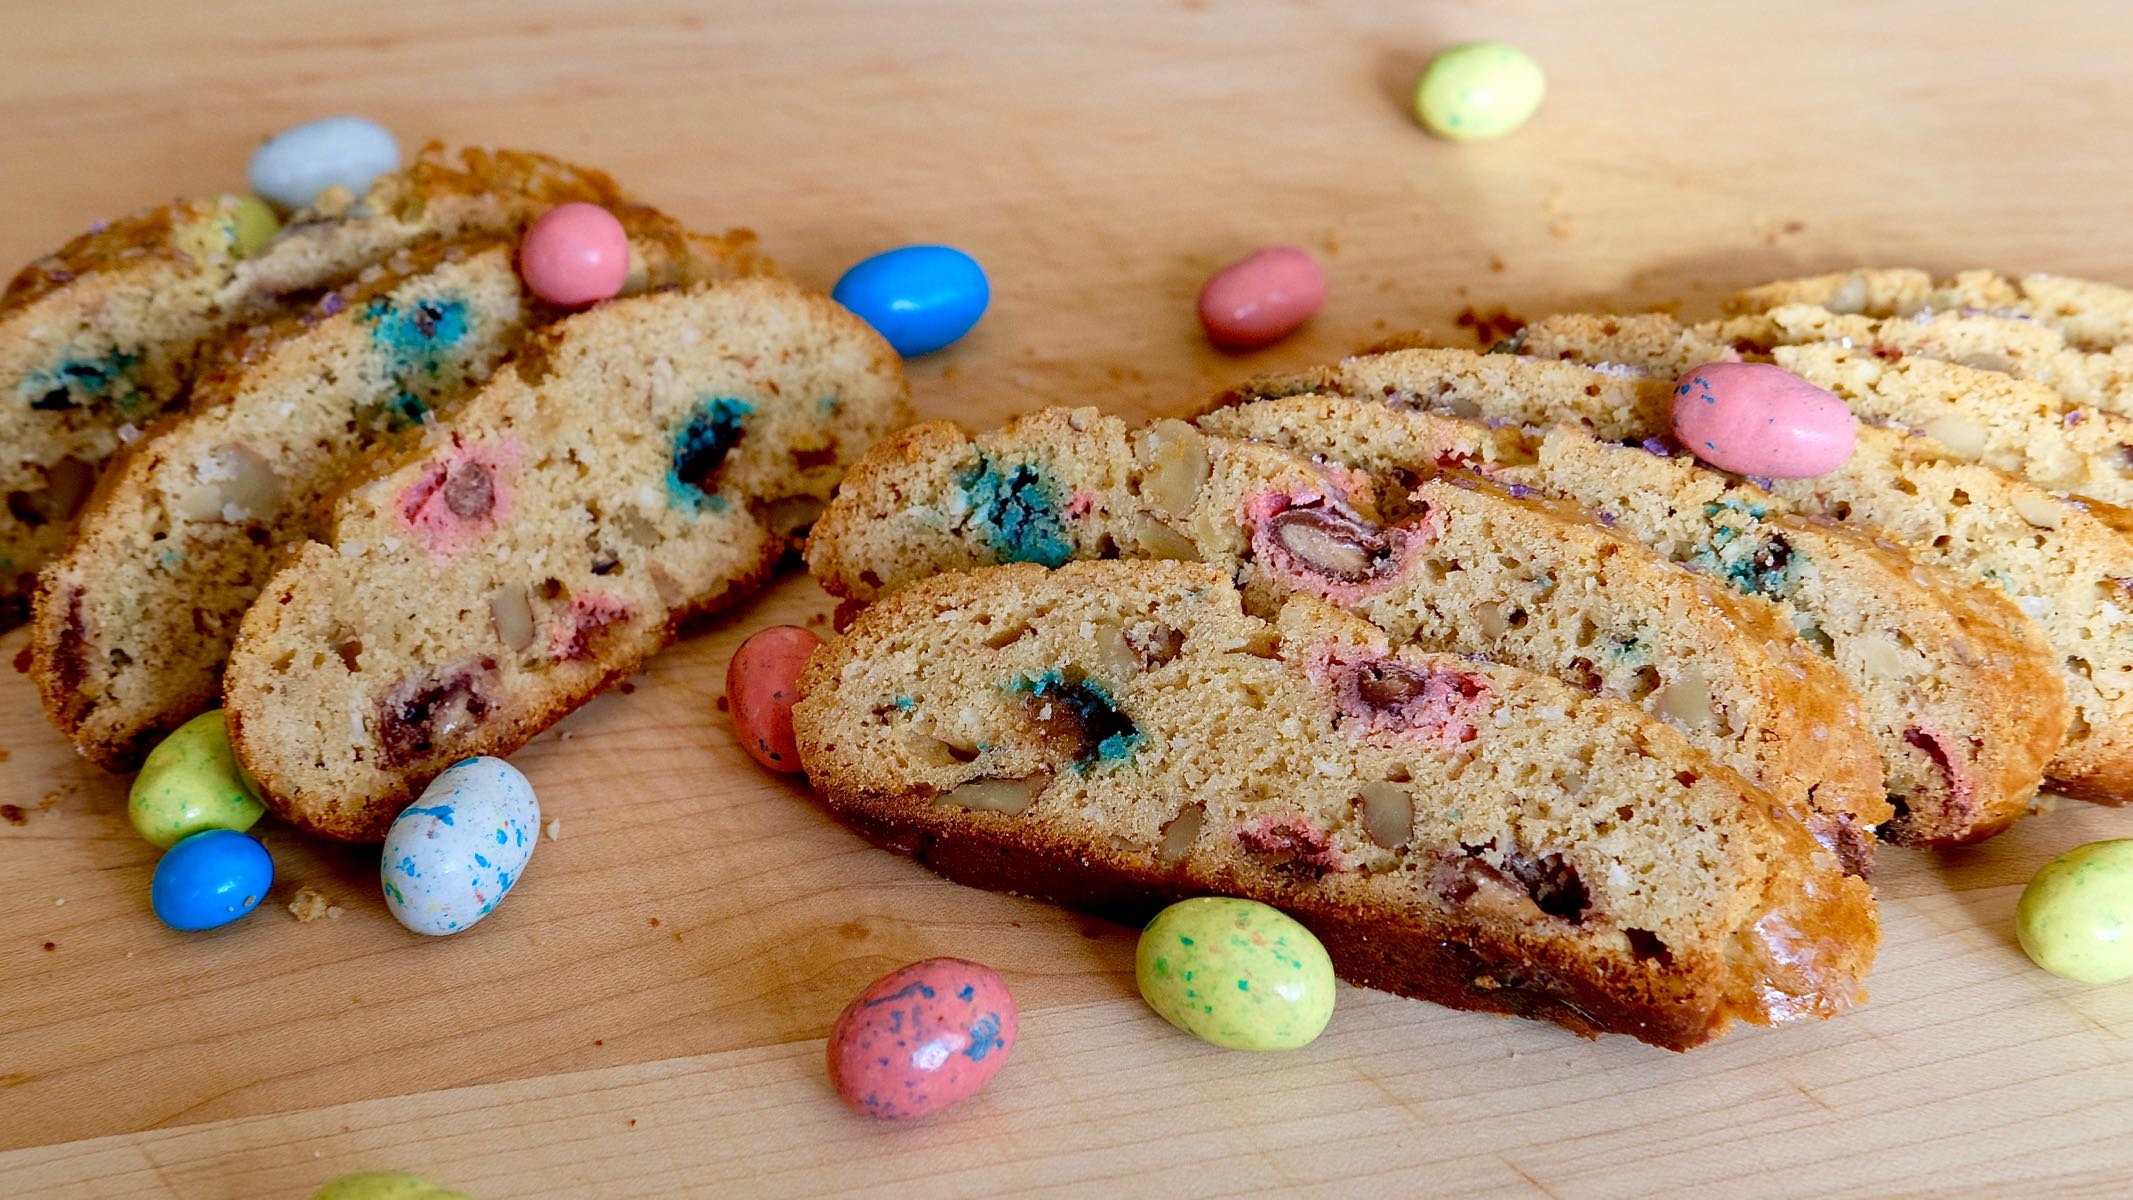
[644, 1017]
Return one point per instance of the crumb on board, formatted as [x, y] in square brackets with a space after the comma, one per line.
[554, 829]
[627, 688]
[309, 904]
[22, 661]
[1492, 326]
[51, 945]
[721, 704]
[1497, 265]
[13, 814]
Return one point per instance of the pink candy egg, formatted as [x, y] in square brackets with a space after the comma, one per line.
[1262, 298]
[762, 682]
[1758, 419]
[921, 1038]
[574, 255]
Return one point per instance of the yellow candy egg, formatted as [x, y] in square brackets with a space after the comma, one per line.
[2075, 919]
[252, 226]
[1478, 90]
[1236, 973]
[384, 1185]
[190, 783]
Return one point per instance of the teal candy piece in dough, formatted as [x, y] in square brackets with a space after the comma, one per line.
[2075, 919]
[1478, 90]
[190, 783]
[385, 1185]
[1236, 973]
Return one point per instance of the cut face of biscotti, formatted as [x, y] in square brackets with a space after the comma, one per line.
[1457, 566]
[1117, 735]
[622, 473]
[2061, 560]
[2090, 315]
[134, 620]
[2023, 348]
[1960, 689]
[102, 337]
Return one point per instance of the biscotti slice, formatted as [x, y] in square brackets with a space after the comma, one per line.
[1960, 689]
[1119, 735]
[619, 475]
[2065, 562]
[134, 620]
[2089, 314]
[1457, 566]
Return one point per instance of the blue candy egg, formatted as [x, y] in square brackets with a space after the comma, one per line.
[921, 298]
[298, 163]
[210, 879]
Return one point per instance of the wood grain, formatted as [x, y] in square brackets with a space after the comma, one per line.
[644, 1017]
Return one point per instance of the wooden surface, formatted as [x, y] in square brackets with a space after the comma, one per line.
[644, 1017]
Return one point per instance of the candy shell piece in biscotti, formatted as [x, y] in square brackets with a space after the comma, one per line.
[2090, 315]
[2065, 562]
[1960, 689]
[102, 337]
[1457, 566]
[1118, 735]
[618, 476]
[134, 620]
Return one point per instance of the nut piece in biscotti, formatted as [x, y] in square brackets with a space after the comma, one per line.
[102, 337]
[1960, 689]
[2066, 562]
[1118, 735]
[621, 474]
[1456, 565]
[134, 620]
[2088, 314]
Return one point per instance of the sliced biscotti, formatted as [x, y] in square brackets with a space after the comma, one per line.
[134, 620]
[1458, 565]
[2062, 560]
[1960, 689]
[1118, 735]
[616, 477]
[2089, 314]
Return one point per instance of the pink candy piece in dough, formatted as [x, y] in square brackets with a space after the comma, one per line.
[1758, 419]
[921, 1038]
[1262, 298]
[762, 682]
[574, 255]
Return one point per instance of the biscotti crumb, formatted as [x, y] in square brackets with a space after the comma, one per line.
[309, 904]
[555, 829]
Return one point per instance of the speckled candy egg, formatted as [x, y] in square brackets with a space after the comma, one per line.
[1478, 90]
[1760, 419]
[2075, 919]
[298, 163]
[1236, 973]
[762, 682]
[920, 298]
[191, 782]
[922, 1038]
[452, 855]
[210, 879]
[385, 1185]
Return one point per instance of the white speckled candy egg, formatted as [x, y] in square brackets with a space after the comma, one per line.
[294, 166]
[451, 856]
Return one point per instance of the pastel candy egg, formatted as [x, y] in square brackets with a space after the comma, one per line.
[298, 163]
[452, 855]
[921, 1038]
[1261, 298]
[1236, 973]
[210, 879]
[252, 226]
[1759, 419]
[2075, 919]
[575, 254]
[1478, 90]
[920, 298]
[191, 782]
[384, 1185]
[762, 681]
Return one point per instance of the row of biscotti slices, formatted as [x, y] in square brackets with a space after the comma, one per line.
[134, 619]
[104, 336]
[2065, 562]
[2089, 315]
[1456, 565]
[1116, 735]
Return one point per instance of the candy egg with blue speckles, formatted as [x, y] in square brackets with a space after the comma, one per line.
[452, 855]
[922, 1038]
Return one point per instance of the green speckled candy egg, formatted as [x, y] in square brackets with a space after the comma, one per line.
[2075, 918]
[384, 1185]
[1478, 90]
[191, 782]
[252, 226]
[1236, 973]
